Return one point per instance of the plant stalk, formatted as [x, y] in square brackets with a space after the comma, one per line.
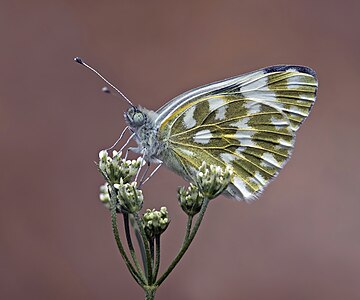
[150, 292]
[187, 241]
[157, 263]
[131, 247]
[147, 248]
[128, 264]
[140, 242]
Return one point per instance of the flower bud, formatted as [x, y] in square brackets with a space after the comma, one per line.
[104, 195]
[190, 199]
[103, 160]
[116, 168]
[155, 222]
[130, 198]
[213, 180]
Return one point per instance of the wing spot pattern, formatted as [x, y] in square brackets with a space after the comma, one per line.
[189, 120]
[269, 158]
[227, 157]
[242, 187]
[203, 136]
[242, 123]
[220, 113]
[252, 107]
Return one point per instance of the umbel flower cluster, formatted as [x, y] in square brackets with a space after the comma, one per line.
[118, 173]
[122, 196]
[115, 168]
[155, 222]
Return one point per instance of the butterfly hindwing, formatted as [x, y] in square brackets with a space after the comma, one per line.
[238, 134]
[247, 122]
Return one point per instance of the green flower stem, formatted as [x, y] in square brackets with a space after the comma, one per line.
[150, 292]
[188, 227]
[131, 247]
[152, 252]
[186, 243]
[140, 242]
[147, 248]
[130, 267]
[157, 264]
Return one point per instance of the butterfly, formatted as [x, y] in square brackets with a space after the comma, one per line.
[248, 122]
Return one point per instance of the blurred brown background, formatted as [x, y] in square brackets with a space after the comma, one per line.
[299, 241]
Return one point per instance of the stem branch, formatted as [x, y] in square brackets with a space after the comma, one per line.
[141, 243]
[188, 227]
[130, 267]
[187, 242]
[146, 246]
[157, 264]
[151, 243]
[131, 247]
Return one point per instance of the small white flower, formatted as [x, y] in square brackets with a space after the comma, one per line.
[114, 153]
[103, 154]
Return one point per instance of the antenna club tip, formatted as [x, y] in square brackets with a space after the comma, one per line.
[79, 60]
[106, 90]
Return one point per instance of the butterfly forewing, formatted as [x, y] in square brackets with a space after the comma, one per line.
[247, 122]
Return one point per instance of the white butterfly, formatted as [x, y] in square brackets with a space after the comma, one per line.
[247, 122]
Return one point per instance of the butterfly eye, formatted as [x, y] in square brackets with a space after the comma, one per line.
[134, 117]
[138, 118]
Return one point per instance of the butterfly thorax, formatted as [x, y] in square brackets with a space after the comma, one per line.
[141, 121]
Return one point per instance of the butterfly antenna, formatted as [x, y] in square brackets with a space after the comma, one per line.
[81, 62]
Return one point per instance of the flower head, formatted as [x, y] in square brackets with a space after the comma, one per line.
[213, 180]
[130, 198]
[115, 168]
[155, 222]
[190, 199]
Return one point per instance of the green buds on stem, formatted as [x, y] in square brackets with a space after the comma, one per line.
[190, 199]
[155, 222]
[119, 173]
[115, 168]
[213, 180]
[130, 198]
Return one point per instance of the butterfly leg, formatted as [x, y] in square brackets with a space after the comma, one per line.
[127, 142]
[152, 173]
[132, 149]
[127, 153]
[141, 164]
[118, 140]
[144, 174]
[123, 147]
